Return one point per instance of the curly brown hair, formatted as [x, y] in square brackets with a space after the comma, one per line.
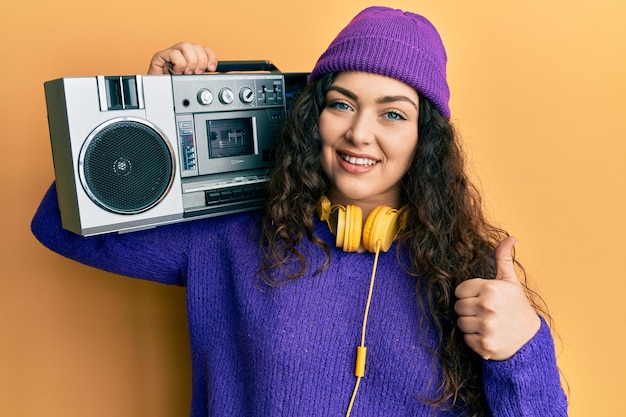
[447, 234]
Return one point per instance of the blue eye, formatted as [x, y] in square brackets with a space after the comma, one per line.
[392, 115]
[339, 105]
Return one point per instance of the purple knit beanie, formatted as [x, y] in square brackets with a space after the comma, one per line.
[395, 43]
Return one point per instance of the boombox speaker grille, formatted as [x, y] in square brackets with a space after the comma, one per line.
[126, 166]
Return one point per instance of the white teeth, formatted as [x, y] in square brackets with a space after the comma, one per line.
[358, 161]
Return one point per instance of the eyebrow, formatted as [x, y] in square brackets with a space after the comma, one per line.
[385, 99]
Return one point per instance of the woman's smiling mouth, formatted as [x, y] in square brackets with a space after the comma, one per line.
[358, 161]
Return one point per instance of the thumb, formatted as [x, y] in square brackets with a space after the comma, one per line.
[505, 268]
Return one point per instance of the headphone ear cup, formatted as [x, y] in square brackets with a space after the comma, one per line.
[341, 227]
[381, 226]
[352, 231]
[323, 209]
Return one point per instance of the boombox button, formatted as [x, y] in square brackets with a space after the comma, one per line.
[212, 198]
[237, 194]
[226, 196]
[247, 191]
[260, 190]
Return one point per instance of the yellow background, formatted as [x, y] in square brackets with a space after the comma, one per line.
[538, 94]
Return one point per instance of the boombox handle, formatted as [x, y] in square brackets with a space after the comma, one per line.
[229, 66]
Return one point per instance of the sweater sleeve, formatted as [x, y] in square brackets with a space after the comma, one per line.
[157, 254]
[528, 384]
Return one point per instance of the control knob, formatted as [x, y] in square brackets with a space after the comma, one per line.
[246, 95]
[205, 97]
[226, 95]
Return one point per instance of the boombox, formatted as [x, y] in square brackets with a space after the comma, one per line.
[138, 151]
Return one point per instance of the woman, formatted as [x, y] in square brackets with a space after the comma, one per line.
[369, 183]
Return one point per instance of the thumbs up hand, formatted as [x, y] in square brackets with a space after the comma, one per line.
[495, 315]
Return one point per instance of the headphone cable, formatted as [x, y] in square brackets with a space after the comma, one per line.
[361, 349]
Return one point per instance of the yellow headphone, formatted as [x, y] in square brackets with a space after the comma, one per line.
[382, 226]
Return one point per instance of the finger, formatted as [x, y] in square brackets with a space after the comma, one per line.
[181, 58]
[202, 60]
[206, 60]
[176, 61]
[159, 63]
[505, 267]
[184, 58]
[469, 288]
[188, 61]
[163, 60]
[470, 325]
[466, 307]
[199, 59]
[477, 343]
[211, 59]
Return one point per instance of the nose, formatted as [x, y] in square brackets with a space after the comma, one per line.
[361, 129]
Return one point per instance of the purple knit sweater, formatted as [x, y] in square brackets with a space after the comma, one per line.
[290, 351]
